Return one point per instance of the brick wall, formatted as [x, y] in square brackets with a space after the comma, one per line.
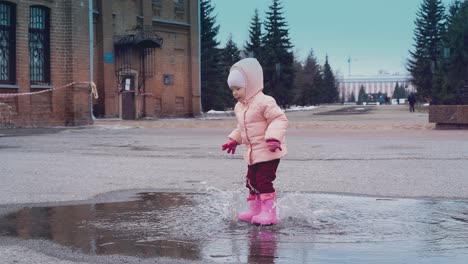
[173, 23]
[69, 62]
[178, 57]
[6, 114]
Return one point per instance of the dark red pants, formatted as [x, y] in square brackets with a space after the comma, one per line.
[260, 177]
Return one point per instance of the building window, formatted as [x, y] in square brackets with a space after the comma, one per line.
[179, 9]
[168, 79]
[39, 45]
[7, 43]
[156, 3]
[157, 6]
[96, 11]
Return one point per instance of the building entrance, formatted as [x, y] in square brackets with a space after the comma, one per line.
[128, 97]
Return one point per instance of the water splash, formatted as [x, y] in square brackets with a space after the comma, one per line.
[204, 226]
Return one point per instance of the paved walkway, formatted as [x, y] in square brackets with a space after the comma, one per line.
[385, 152]
[328, 116]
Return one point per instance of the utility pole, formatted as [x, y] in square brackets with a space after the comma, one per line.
[353, 59]
[349, 65]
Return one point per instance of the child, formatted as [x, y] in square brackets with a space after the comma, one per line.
[261, 127]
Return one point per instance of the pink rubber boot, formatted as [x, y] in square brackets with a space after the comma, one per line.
[267, 215]
[254, 208]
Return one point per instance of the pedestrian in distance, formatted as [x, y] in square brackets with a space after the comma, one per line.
[381, 100]
[261, 129]
[411, 101]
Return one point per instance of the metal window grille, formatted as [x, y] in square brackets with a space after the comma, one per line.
[179, 8]
[7, 43]
[156, 6]
[135, 52]
[39, 45]
[179, 2]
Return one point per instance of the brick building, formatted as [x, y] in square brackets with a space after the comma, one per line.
[42, 46]
[143, 56]
[146, 58]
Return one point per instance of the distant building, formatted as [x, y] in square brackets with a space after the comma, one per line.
[384, 84]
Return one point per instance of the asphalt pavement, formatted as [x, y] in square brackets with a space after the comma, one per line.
[383, 151]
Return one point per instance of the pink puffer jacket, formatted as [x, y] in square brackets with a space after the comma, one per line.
[259, 117]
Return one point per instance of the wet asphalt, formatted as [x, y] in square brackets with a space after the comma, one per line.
[384, 153]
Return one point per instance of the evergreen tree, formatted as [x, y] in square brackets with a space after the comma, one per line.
[211, 72]
[253, 46]
[316, 89]
[329, 88]
[426, 57]
[277, 58]
[399, 92]
[352, 98]
[362, 96]
[230, 55]
[313, 79]
[456, 55]
[396, 90]
[299, 82]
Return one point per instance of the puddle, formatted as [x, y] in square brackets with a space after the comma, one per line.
[314, 228]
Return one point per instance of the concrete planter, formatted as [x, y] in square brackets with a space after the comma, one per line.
[449, 116]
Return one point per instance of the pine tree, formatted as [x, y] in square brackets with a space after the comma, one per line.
[399, 92]
[299, 82]
[396, 90]
[253, 46]
[456, 55]
[362, 96]
[277, 58]
[312, 79]
[316, 96]
[426, 57]
[230, 55]
[211, 72]
[352, 98]
[329, 88]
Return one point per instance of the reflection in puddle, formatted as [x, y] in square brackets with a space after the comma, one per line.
[313, 228]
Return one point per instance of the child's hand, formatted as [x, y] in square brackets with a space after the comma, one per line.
[230, 146]
[273, 145]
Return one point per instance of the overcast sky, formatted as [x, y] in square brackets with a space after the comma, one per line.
[375, 34]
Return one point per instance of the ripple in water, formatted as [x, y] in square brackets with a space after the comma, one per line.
[204, 226]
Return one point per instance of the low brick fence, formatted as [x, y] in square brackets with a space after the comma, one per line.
[69, 105]
[449, 116]
[6, 116]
